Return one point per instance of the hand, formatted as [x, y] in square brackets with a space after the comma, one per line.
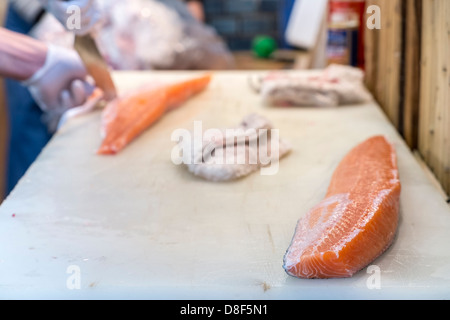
[61, 83]
[88, 11]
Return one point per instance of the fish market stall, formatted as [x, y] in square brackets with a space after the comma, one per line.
[138, 225]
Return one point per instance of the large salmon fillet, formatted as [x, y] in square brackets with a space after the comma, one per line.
[355, 222]
[123, 119]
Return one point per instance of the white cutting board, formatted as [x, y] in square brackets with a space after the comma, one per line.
[135, 225]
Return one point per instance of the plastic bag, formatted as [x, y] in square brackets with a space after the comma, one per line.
[333, 86]
[149, 34]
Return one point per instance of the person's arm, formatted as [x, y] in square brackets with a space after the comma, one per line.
[55, 76]
[20, 56]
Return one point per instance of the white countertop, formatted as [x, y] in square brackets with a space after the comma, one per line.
[135, 225]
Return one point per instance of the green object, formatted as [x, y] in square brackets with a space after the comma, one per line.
[264, 46]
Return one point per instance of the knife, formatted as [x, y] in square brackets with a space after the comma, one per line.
[95, 64]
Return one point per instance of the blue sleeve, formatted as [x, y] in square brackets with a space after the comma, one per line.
[27, 133]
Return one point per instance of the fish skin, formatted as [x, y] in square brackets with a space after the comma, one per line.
[355, 222]
[233, 170]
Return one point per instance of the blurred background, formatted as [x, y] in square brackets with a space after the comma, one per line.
[405, 60]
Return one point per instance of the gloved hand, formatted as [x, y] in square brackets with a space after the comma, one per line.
[61, 83]
[89, 14]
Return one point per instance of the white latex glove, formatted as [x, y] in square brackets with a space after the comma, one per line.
[61, 10]
[61, 83]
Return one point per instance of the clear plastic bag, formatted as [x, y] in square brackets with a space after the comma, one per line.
[149, 34]
[333, 86]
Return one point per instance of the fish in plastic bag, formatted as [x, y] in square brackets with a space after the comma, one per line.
[148, 35]
[333, 86]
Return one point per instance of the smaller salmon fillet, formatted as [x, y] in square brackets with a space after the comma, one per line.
[124, 119]
[357, 220]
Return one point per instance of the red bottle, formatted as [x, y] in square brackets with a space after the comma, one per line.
[345, 43]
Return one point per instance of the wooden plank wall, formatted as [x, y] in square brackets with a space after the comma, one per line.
[411, 70]
[407, 70]
[3, 120]
[434, 106]
[383, 58]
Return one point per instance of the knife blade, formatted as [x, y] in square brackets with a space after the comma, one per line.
[95, 65]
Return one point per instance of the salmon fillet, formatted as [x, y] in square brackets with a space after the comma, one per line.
[123, 119]
[355, 222]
